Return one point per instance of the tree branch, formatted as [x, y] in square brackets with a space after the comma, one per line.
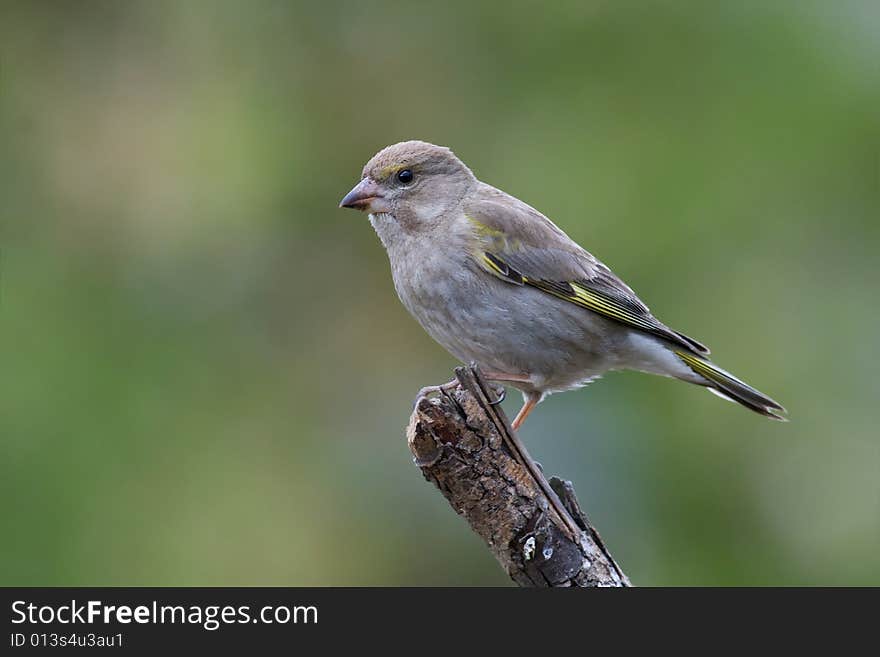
[463, 443]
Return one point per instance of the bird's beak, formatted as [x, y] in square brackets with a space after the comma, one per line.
[366, 196]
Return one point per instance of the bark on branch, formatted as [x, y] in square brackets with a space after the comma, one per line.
[535, 528]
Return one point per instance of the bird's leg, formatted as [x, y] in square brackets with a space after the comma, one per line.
[430, 390]
[502, 378]
[528, 406]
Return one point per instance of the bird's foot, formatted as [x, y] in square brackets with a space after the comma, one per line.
[500, 396]
[501, 378]
[433, 390]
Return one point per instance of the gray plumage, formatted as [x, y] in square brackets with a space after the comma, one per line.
[495, 282]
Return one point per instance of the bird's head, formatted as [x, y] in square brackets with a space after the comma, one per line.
[414, 182]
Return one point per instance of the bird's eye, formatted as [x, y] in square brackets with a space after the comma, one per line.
[405, 176]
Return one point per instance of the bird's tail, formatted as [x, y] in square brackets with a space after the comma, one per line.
[728, 386]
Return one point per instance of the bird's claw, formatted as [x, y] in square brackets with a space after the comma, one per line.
[501, 392]
[432, 390]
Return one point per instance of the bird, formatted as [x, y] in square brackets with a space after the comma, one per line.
[498, 284]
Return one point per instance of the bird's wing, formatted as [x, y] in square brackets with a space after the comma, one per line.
[518, 244]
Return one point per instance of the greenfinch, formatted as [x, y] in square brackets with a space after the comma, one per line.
[497, 283]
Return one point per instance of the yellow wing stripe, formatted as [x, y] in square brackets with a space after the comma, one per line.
[591, 301]
[607, 306]
[577, 295]
[595, 301]
[705, 369]
[491, 265]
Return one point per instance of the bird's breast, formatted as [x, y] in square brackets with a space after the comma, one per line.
[507, 328]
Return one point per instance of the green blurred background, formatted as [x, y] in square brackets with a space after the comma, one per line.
[206, 372]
